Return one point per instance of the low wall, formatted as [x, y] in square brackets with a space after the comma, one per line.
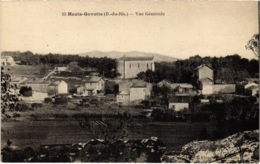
[224, 88]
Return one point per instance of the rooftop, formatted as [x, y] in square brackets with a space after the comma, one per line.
[92, 79]
[136, 58]
[56, 83]
[202, 66]
[206, 79]
[252, 87]
[6, 57]
[181, 85]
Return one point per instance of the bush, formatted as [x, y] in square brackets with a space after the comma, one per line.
[36, 105]
[61, 100]
[26, 91]
[48, 100]
[238, 115]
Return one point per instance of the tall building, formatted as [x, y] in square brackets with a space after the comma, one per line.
[129, 67]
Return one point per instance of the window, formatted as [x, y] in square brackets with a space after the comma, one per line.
[138, 65]
[151, 65]
[147, 65]
[129, 65]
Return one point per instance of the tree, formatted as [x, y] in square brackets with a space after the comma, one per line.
[9, 100]
[110, 129]
[253, 43]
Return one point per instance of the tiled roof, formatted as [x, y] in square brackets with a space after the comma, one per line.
[164, 80]
[138, 84]
[37, 81]
[6, 57]
[206, 79]
[136, 58]
[55, 83]
[182, 85]
[202, 66]
[252, 87]
[123, 93]
[92, 79]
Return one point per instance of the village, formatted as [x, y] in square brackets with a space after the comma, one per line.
[127, 89]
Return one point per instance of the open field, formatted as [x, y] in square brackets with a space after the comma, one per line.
[36, 133]
[27, 70]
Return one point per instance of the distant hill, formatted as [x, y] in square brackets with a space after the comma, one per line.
[116, 54]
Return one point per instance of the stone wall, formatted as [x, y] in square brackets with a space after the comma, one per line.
[224, 88]
[238, 148]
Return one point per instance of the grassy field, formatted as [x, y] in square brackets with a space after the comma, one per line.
[27, 70]
[36, 133]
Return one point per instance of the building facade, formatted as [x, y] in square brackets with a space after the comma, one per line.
[58, 87]
[92, 86]
[7, 60]
[129, 67]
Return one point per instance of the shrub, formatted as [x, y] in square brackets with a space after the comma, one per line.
[61, 100]
[26, 91]
[48, 100]
[36, 105]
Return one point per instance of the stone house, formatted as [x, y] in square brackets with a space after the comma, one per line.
[179, 103]
[183, 89]
[129, 67]
[58, 87]
[252, 90]
[164, 82]
[7, 60]
[61, 68]
[92, 86]
[133, 91]
[205, 80]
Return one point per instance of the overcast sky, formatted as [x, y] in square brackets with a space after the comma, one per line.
[186, 29]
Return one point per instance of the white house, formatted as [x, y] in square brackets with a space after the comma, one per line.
[250, 84]
[7, 60]
[252, 90]
[61, 68]
[164, 82]
[58, 87]
[178, 106]
[133, 91]
[206, 86]
[92, 86]
[130, 66]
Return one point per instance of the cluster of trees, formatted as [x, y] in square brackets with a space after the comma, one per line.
[237, 115]
[26, 91]
[227, 69]
[105, 66]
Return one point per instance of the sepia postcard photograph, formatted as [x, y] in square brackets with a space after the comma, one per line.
[129, 81]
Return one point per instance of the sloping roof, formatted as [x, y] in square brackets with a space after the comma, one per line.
[164, 80]
[136, 58]
[181, 85]
[186, 99]
[202, 66]
[42, 90]
[56, 83]
[138, 84]
[206, 79]
[6, 57]
[37, 81]
[92, 79]
[252, 87]
[123, 93]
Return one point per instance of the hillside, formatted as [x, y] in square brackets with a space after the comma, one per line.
[116, 54]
